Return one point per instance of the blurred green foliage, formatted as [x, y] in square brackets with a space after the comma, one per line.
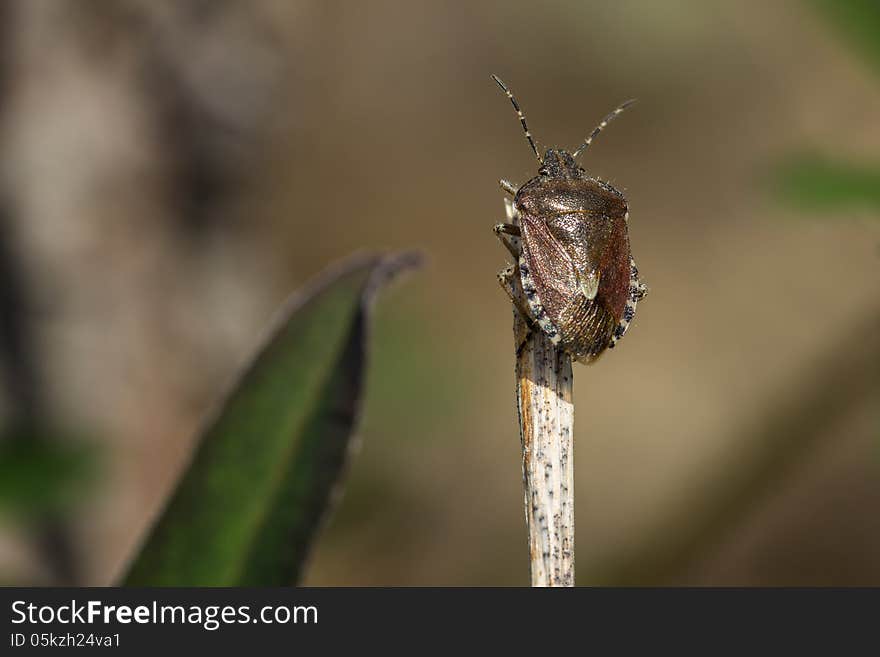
[250, 503]
[39, 476]
[858, 21]
[816, 182]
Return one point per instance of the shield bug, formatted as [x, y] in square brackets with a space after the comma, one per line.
[574, 278]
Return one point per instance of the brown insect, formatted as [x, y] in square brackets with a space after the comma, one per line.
[574, 279]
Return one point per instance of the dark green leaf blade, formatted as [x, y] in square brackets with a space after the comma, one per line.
[259, 483]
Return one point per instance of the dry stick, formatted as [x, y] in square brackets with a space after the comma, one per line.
[546, 425]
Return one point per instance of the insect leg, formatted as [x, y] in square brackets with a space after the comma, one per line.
[509, 236]
[508, 186]
[507, 229]
[511, 283]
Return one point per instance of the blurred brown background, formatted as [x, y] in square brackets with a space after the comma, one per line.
[171, 170]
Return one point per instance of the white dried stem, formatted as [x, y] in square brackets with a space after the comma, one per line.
[546, 426]
[546, 421]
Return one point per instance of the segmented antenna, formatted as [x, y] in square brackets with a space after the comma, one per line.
[522, 119]
[599, 128]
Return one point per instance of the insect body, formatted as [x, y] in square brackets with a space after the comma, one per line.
[574, 279]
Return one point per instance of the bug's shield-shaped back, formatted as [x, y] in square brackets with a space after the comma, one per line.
[581, 272]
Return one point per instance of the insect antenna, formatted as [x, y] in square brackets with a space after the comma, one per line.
[522, 119]
[599, 128]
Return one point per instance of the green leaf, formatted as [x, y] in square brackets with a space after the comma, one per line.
[248, 507]
[858, 21]
[816, 183]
